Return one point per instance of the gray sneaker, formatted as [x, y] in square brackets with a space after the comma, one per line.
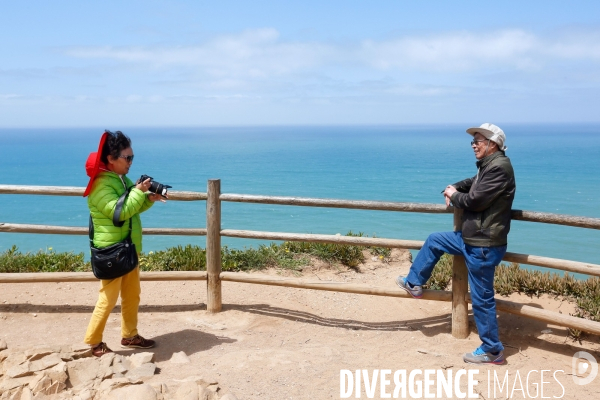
[415, 291]
[481, 357]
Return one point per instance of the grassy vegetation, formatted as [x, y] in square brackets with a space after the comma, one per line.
[12, 260]
[188, 258]
[289, 255]
[294, 255]
[348, 255]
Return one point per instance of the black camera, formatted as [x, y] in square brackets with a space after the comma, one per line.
[155, 187]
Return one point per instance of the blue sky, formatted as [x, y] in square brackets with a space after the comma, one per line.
[199, 63]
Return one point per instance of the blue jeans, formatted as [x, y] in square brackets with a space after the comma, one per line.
[481, 264]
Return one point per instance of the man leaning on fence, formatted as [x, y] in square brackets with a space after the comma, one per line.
[486, 200]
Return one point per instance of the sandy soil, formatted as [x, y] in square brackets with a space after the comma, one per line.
[284, 343]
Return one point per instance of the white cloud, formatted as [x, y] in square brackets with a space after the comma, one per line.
[452, 52]
[254, 53]
[261, 54]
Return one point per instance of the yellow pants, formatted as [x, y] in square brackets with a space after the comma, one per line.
[129, 287]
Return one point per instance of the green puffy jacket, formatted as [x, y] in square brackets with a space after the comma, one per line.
[102, 201]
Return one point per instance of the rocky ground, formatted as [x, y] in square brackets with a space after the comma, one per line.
[71, 372]
[275, 342]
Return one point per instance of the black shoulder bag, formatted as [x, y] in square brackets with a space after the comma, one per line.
[118, 259]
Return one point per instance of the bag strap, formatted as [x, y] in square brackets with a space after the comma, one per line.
[91, 231]
[116, 216]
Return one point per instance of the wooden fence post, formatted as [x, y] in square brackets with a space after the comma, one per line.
[213, 246]
[460, 280]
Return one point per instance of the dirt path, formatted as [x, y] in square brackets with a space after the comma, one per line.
[284, 343]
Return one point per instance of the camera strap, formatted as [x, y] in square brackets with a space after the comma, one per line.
[119, 208]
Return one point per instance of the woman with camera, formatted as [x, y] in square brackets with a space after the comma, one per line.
[108, 170]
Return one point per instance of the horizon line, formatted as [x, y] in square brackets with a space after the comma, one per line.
[299, 125]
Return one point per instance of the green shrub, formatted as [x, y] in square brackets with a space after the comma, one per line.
[382, 252]
[441, 275]
[346, 254]
[12, 260]
[188, 258]
[273, 255]
[589, 300]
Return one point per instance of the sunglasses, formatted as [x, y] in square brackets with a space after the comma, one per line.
[476, 142]
[127, 158]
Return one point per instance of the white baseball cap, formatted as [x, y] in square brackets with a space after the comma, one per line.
[491, 132]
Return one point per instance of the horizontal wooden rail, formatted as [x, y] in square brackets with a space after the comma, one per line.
[33, 277]
[42, 190]
[337, 203]
[556, 219]
[550, 317]
[337, 239]
[174, 231]
[80, 230]
[518, 215]
[547, 316]
[554, 263]
[438, 295]
[78, 191]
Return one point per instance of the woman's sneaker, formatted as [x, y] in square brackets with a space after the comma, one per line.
[415, 291]
[100, 349]
[481, 357]
[137, 342]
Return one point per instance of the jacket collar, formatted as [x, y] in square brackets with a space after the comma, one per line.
[109, 172]
[114, 175]
[488, 159]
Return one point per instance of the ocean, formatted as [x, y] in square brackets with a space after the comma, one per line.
[556, 169]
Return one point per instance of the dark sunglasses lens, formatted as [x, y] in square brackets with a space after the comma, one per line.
[129, 158]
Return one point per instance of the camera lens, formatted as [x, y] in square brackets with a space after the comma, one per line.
[158, 188]
[155, 187]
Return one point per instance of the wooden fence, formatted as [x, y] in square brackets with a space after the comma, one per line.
[214, 276]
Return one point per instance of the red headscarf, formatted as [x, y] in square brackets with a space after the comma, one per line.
[94, 164]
